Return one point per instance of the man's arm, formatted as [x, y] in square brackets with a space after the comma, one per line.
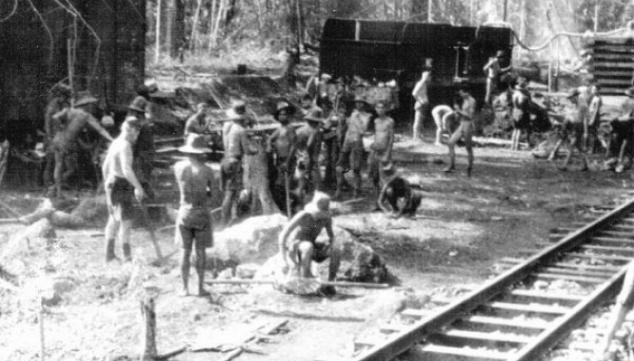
[330, 233]
[408, 200]
[488, 65]
[245, 142]
[283, 237]
[96, 126]
[381, 199]
[125, 159]
[271, 139]
[390, 144]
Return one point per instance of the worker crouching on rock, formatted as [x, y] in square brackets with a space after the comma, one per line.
[197, 186]
[398, 193]
[298, 241]
[122, 186]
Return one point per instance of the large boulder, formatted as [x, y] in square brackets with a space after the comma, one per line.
[253, 240]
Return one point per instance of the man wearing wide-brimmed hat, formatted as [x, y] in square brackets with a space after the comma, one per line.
[309, 138]
[351, 154]
[236, 146]
[281, 145]
[122, 187]
[144, 149]
[381, 148]
[59, 99]
[64, 143]
[493, 71]
[197, 186]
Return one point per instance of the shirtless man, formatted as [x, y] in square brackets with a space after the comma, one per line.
[143, 149]
[60, 99]
[65, 142]
[309, 138]
[197, 123]
[122, 186]
[237, 145]
[197, 186]
[466, 113]
[298, 241]
[394, 190]
[594, 120]
[439, 113]
[381, 148]
[575, 124]
[421, 107]
[281, 144]
[493, 71]
[351, 154]
[520, 115]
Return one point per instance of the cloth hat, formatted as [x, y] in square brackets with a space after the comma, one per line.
[139, 104]
[315, 115]
[283, 106]
[630, 92]
[326, 76]
[499, 54]
[380, 104]
[195, 144]
[84, 98]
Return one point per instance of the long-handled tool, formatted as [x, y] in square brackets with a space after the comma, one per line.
[297, 285]
[287, 193]
[150, 229]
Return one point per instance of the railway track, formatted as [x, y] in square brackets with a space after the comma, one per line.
[516, 316]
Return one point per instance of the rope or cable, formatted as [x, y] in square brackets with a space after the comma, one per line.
[15, 7]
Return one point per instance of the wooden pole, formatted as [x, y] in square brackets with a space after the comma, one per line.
[596, 17]
[192, 41]
[148, 346]
[157, 51]
[506, 3]
[40, 320]
[69, 63]
[429, 10]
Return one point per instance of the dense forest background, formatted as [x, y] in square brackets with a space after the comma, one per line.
[195, 28]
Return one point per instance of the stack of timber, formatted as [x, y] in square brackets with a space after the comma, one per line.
[613, 64]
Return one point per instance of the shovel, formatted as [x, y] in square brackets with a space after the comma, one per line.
[150, 229]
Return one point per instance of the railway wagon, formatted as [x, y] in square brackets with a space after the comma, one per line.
[385, 50]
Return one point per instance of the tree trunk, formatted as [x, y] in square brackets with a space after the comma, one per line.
[192, 40]
[148, 348]
[175, 26]
[257, 179]
[212, 17]
[221, 9]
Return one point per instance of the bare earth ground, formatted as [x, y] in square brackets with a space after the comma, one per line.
[462, 227]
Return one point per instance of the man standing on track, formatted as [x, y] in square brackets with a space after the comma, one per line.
[122, 187]
[466, 113]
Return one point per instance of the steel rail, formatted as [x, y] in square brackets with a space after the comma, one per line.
[418, 332]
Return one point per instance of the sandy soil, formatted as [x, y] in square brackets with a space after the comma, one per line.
[462, 227]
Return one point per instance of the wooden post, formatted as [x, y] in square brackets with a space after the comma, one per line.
[157, 51]
[69, 63]
[40, 320]
[148, 346]
[192, 41]
[596, 17]
[429, 9]
[506, 3]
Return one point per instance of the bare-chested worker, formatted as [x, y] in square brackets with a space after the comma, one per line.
[439, 113]
[197, 123]
[466, 113]
[422, 105]
[298, 244]
[237, 145]
[381, 148]
[309, 139]
[493, 71]
[351, 155]
[594, 119]
[197, 186]
[521, 115]
[60, 99]
[65, 142]
[575, 124]
[397, 190]
[122, 187]
[281, 144]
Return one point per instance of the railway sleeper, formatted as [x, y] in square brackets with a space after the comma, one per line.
[544, 297]
[573, 278]
[537, 308]
[469, 353]
[598, 257]
[620, 234]
[465, 338]
[494, 324]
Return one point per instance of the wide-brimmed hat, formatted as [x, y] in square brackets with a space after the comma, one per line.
[84, 98]
[315, 115]
[360, 99]
[139, 104]
[283, 106]
[195, 144]
[629, 92]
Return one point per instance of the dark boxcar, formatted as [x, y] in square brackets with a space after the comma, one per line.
[34, 55]
[385, 50]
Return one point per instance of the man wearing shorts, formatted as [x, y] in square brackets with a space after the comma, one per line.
[351, 154]
[196, 185]
[466, 113]
[298, 241]
[576, 127]
[422, 106]
[381, 148]
[441, 114]
[122, 187]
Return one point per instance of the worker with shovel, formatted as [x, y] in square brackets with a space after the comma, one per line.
[197, 185]
[298, 241]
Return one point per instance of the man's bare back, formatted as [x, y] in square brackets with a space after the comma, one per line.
[118, 156]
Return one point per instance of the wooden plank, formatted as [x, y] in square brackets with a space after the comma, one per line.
[414, 313]
[601, 257]
[499, 321]
[551, 276]
[577, 272]
[600, 248]
[465, 352]
[487, 336]
[616, 82]
[606, 268]
[533, 307]
[617, 234]
[545, 296]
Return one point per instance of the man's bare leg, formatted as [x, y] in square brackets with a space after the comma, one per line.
[185, 264]
[227, 203]
[110, 233]
[57, 173]
[333, 266]
[417, 127]
[340, 181]
[452, 156]
[553, 153]
[306, 258]
[201, 260]
[124, 238]
[469, 158]
[357, 184]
